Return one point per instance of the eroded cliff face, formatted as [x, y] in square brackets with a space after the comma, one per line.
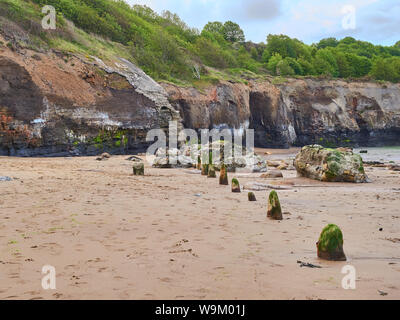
[55, 104]
[58, 104]
[342, 113]
[297, 112]
[235, 106]
[222, 106]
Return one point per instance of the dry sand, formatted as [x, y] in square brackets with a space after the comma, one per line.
[172, 234]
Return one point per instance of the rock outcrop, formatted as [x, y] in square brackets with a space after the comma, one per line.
[186, 157]
[56, 103]
[297, 112]
[338, 113]
[330, 165]
[173, 158]
[59, 104]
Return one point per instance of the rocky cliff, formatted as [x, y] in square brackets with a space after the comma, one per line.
[58, 104]
[53, 103]
[297, 112]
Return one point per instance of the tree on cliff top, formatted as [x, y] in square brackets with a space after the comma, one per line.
[231, 31]
[166, 48]
[214, 27]
[386, 69]
[327, 42]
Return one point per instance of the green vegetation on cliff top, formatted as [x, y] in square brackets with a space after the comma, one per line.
[168, 49]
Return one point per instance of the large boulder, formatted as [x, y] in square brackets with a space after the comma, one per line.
[189, 155]
[245, 161]
[172, 158]
[330, 165]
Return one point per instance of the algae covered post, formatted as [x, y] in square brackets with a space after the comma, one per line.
[251, 196]
[274, 206]
[330, 244]
[223, 175]
[235, 185]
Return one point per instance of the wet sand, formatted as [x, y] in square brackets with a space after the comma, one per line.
[173, 234]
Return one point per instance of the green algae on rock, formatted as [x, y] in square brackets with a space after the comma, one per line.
[138, 169]
[251, 196]
[274, 206]
[330, 244]
[330, 165]
[235, 185]
[223, 176]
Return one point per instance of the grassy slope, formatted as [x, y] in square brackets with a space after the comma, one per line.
[66, 38]
[164, 46]
[71, 39]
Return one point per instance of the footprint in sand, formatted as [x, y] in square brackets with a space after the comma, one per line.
[180, 244]
[53, 248]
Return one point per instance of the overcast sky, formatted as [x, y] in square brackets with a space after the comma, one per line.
[377, 21]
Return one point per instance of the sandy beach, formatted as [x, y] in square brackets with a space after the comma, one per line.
[174, 234]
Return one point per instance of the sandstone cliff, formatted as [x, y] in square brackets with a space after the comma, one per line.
[53, 103]
[297, 112]
[58, 104]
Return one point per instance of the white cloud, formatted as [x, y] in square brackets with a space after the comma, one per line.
[307, 20]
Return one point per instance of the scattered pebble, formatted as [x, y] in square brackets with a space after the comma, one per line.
[308, 265]
[103, 156]
[134, 158]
